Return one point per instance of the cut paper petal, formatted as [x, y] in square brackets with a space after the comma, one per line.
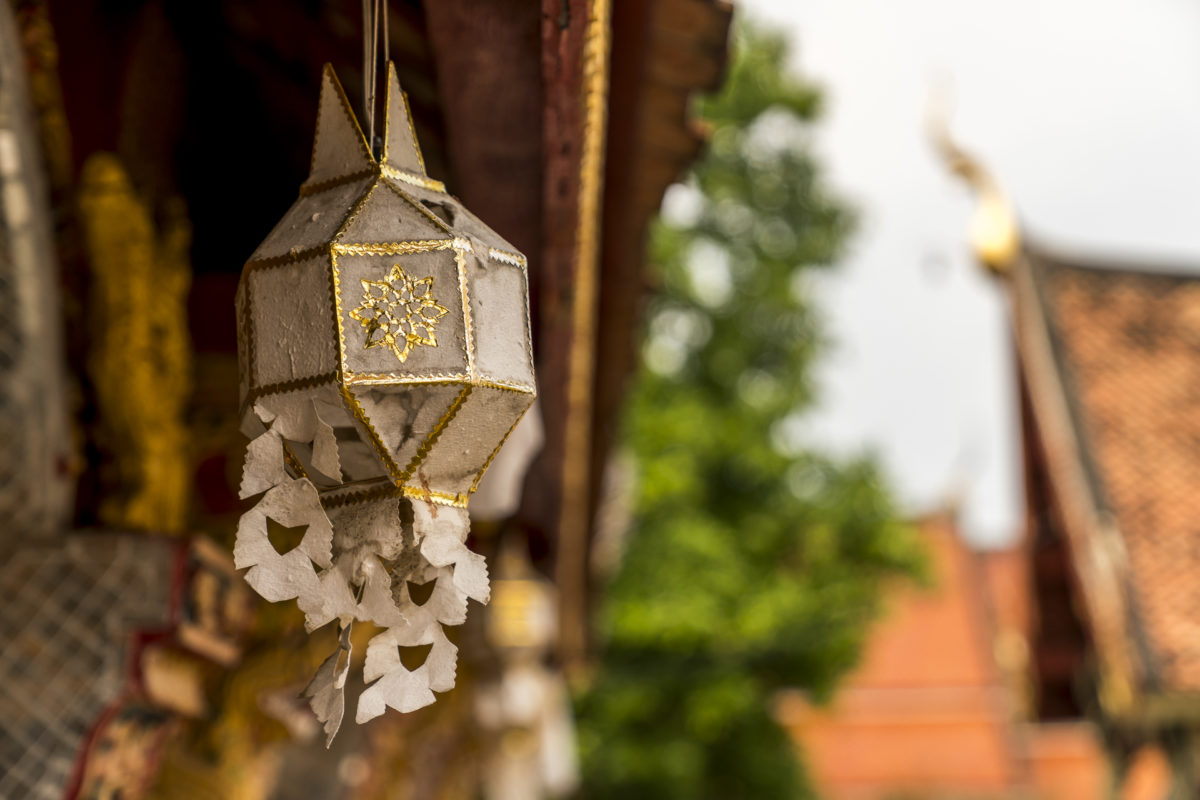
[443, 546]
[298, 418]
[277, 577]
[442, 550]
[285, 579]
[293, 503]
[397, 687]
[264, 465]
[447, 604]
[378, 604]
[471, 577]
[442, 662]
[402, 690]
[333, 600]
[430, 519]
[325, 453]
[326, 692]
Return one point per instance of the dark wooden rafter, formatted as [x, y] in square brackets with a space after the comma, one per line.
[489, 81]
[670, 50]
[1058, 638]
[575, 38]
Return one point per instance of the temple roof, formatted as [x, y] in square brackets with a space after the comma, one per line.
[1125, 344]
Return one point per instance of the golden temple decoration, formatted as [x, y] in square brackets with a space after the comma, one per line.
[141, 360]
[995, 233]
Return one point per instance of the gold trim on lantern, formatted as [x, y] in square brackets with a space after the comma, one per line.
[468, 337]
[247, 339]
[379, 313]
[283, 387]
[425, 446]
[418, 205]
[316, 187]
[342, 496]
[397, 379]
[290, 257]
[355, 209]
[388, 171]
[506, 257]
[491, 456]
[506, 386]
[394, 248]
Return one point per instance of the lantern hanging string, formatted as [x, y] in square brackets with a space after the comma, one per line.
[375, 16]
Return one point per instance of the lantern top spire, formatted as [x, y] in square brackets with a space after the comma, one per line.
[401, 150]
[341, 149]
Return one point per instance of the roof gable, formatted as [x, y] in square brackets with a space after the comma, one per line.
[1125, 347]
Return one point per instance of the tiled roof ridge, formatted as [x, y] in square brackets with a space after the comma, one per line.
[1058, 257]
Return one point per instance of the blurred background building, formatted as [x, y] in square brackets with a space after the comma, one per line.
[1062, 666]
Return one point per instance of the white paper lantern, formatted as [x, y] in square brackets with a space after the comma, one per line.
[382, 297]
[385, 354]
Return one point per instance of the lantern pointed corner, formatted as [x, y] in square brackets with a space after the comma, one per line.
[339, 146]
[401, 150]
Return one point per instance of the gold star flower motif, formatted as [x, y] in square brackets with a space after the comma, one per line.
[399, 313]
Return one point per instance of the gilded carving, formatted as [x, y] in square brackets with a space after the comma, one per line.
[140, 363]
[399, 313]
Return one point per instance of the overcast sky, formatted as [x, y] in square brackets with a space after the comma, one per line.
[1088, 111]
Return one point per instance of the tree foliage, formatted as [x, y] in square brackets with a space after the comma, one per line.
[753, 564]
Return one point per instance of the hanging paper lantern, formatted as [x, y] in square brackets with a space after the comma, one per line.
[385, 355]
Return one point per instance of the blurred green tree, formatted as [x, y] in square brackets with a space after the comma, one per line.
[753, 564]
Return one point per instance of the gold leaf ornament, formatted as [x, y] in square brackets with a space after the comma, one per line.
[399, 313]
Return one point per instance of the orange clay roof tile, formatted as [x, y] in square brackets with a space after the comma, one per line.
[1128, 346]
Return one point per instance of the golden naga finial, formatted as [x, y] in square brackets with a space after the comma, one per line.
[995, 234]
